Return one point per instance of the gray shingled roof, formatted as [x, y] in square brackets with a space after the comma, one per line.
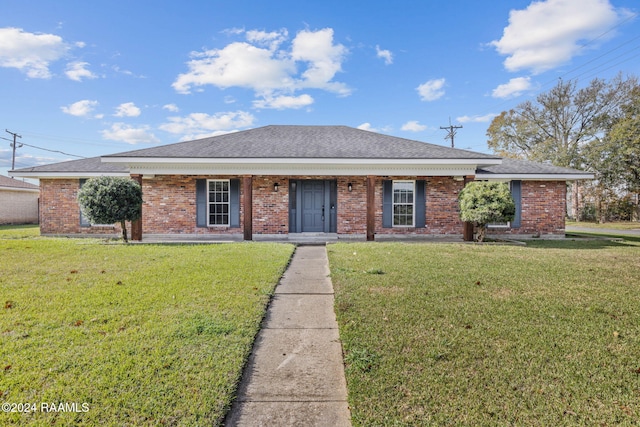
[304, 142]
[90, 165]
[272, 142]
[7, 182]
[524, 167]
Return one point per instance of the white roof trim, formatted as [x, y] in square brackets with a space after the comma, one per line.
[303, 169]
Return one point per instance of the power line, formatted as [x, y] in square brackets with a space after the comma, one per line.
[15, 145]
[53, 151]
[66, 139]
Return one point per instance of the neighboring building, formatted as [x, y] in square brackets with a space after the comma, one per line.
[280, 181]
[18, 201]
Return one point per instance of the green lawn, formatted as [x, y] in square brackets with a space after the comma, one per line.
[144, 335]
[453, 334]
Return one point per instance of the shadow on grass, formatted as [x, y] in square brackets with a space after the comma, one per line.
[576, 240]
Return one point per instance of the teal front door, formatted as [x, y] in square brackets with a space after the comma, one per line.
[312, 206]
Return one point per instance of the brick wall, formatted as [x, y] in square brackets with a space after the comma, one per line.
[18, 206]
[441, 207]
[352, 206]
[60, 212]
[170, 206]
[270, 208]
[543, 207]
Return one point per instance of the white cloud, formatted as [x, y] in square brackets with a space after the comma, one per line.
[200, 125]
[171, 107]
[272, 39]
[237, 64]
[323, 58]
[514, 87]
[30, 53]
[82, 108]
[233, 31]
[384, 54]
[476, 119]
[128, 109]
[119, 70]
[24, 160]
[431, 90]
[312, 62]
[413, 126]
[548, 33]
[284, 102]
[367, 126]
[78, 70]
[129, 134]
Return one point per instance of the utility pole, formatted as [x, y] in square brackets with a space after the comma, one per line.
[452, 131]
[13, 145]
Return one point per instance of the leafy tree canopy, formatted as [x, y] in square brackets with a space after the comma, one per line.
[110, 200]
[561, 122]
[584, 128]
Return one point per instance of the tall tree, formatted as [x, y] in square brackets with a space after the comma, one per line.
[616, 157]
[561, 123]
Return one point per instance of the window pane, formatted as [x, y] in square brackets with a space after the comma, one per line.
[403, 199]
[219, 202]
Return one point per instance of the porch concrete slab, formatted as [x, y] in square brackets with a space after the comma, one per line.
[309, 414]
[295, 374]
[300, 311]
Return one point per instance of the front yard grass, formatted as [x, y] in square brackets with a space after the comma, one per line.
[454, 334]
[144, 335]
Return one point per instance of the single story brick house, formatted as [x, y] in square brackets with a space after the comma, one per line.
[18, 201]
[290, 181]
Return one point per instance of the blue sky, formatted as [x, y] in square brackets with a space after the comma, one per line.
[100, 77]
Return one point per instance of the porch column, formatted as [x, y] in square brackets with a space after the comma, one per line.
[467, 230]
[247, 190]
[136, 226]
[371, 207]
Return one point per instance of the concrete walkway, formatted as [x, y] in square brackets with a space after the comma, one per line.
[295, 375]
[578, 229]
